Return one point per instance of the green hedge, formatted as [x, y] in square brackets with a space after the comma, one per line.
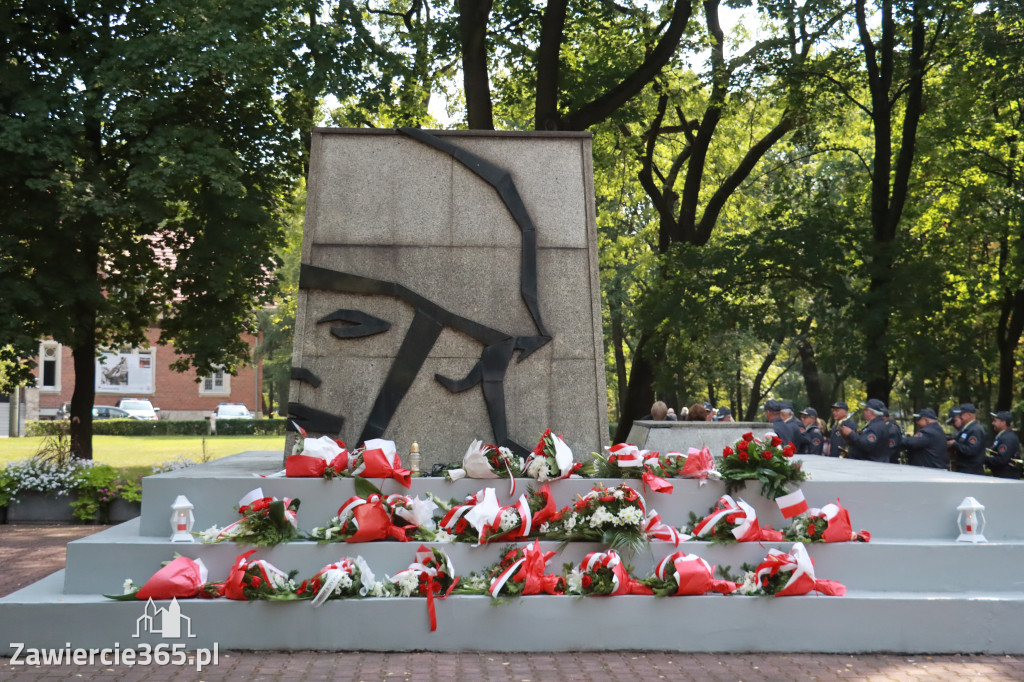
[165, 427]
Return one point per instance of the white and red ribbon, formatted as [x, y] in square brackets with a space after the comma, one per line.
[792, 504]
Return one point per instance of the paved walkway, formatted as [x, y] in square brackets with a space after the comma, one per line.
[29, 552]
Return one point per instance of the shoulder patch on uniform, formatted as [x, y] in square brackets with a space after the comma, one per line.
[871, 437]
[973, 440]
[1002, 448]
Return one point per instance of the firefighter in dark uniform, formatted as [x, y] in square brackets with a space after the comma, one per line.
[1005, 449]
[895, 437]
[794, 430]
[969, 445]
[814, 439]
[836, 445]
[872, 443]
[927, 447]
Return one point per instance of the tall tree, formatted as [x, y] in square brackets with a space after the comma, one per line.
[144, 165]
[898, 41]
[676, 148]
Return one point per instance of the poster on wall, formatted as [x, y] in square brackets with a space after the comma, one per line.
[125, 372]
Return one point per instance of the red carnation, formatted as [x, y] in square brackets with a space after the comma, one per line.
[789, 450]
[728, 452]
[744, 456]
[587, 581]
[748, 436]
[767, 454]
[742, 445]
[776, 441]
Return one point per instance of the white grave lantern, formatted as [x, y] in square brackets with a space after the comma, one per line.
[182, 520]
[971, 520]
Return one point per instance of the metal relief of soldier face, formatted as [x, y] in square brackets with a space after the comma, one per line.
[409, 304]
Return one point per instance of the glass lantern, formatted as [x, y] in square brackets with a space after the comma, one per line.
[182, 520]
[971, 520]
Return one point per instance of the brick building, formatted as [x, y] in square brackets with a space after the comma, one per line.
[144, 372]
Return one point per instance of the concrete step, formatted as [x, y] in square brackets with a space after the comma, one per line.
[41, 616]
[897, 565]
[890, 501]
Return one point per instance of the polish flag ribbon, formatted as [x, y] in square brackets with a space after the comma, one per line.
[792, 504]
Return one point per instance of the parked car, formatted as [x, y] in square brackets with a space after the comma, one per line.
[232, 411]
[109, 412]
[138, 408]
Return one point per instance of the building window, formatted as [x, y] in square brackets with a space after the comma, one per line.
[218, 383]
[49, 366]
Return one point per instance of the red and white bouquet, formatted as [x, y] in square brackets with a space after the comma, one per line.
[481, 518]
[180, 578]
[378, 458]
[617, 516]
[785, 575]
[681, 574]
[431, 575]
[603, 574]
[321, 457]
[345, 578]
[483, 460]
[255, 580]
[551, 460]
[519, 572]
[371, 518]
[730, 521]
[266, 521]
[831, 523]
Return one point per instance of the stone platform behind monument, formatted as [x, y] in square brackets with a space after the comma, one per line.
[449, 291]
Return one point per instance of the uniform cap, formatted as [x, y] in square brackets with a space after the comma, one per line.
[786, 405]
[927, 413]
[772, 405]
[810, 412]
[841, 405]
[953, 412]
[1005, 415]
[724, 412]
[968, 407]
[876, 405]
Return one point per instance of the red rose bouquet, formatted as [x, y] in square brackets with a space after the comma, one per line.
[765, 461]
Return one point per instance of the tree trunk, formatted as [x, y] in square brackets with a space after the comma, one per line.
[552, 31]
[755, 391]
[474, 16]
[1008, 333]
[640, 393]
[84, 357]
[812, 377]
[620, 364]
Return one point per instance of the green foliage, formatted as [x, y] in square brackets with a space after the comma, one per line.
[164, 427]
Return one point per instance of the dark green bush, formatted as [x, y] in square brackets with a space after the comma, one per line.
[251, 427]
[165, 427]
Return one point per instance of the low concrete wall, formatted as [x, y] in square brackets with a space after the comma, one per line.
[679, 436]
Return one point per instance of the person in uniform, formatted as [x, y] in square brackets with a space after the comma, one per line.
[787, 427]
[927, 447]
[724, 415]
[872, 443]
[814, 439]
[836, 445]
[969, 444]
[895, 437]
[1005, 449]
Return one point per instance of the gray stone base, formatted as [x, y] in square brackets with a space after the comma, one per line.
[913, 588]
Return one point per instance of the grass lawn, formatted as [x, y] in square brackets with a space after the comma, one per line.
[145, 451]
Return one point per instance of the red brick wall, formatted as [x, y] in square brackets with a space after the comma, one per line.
[176, 394]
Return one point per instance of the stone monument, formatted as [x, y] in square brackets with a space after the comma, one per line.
[449, 291]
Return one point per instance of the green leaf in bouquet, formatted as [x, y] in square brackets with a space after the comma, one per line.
[365, 488]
